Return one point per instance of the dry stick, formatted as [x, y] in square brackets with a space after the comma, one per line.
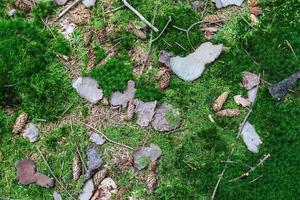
[164, 29]
[67, 9]
[52, 173]
[252, 169]
[140, 16]
[82, 161]
[115, 9]
[290, 46]
[109, 140]
[256, 179]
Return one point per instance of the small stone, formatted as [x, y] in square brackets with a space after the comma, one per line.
[97, 139]
[31, 132]
[250, 137]
[87, 190]
[11, 12]
[60, 2]
[56, 196]
[89, 3]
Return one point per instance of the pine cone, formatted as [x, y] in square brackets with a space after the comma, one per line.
[130, 111]
[87, 37]
[99, 176]
[76, 168]
[252, 3]
[165, 79]
[24, 5]
[152, 178]
[220, 101]
[228, 113]
[92, 58]
[20, 123]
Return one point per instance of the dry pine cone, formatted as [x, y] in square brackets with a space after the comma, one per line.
[24, 5]
[20, 123]
[252, 3]
[87, 37]
[92, 59]
[99, 176]
[152, 178]
[228, 113]
[76, 168]
[220, 101]
[165, 79]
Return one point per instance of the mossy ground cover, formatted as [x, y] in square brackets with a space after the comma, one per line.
[191, 159]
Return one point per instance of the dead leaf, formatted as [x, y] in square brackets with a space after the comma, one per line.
[224, 3]
[144, 155]
[145, 112]
[161, 121]
[130, 111]
[20, 123]
[191, 67]
[118, 99]
[209, 32]
[250, 80]
[254, 20]
[250, 137]
[280, 89]
[137, 32]
[241, 101]
[88, 89]
[76, 167]
[87, 190]
[107, 188]
[228, 113]
[31, 132]
[220, 101]
[94, 160]
[255, 11]
[26, 174]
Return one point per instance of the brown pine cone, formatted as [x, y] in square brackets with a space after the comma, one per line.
[92, 59]
[228, 113]
[76, 168]
[165, 79]
[20, 123]
[152, 178]
[99, 176]
[25, 5]
[220, 101]
[87, 37]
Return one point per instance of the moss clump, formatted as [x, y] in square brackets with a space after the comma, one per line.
[113, 76]
[30, 75]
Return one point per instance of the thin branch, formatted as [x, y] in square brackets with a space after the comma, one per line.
[290, 46]
[243, 123]
[115, 9]
[109, 140]
[67, 9]
[164, 29]
[261, 161]
[140, 15]
[256, 179]
[52, 173]
[82, 161]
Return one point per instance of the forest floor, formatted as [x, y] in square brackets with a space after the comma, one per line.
[37, 66]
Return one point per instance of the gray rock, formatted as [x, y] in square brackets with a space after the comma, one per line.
[89, 3]
[144, 155]
[252, 94]
[145, 112]
[87, 190]
[191, 67]
[56, 196]
[94, 160]
[60, 2]
[224, 3]
[97, 139]
[11, 12]
[118, 99]
[88, 89]
[251, 138]
[31, 132]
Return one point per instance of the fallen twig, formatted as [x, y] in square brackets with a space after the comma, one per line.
[256, 179]
[109, 140]
[115, 9]
[67, 9]
[52, 173]
[140, 15]
[290, 46]
[261, 161]
[167, 24]
[82, 161]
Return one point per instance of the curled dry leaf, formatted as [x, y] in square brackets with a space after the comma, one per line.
[250, 137]
[191, 67]
[87, 190]
[228, 113]
[250, 80]
[99, 176]
[242, 101]
[152, 180]
[166, 118]
[218, 105]
[26, 174]
[118, 99]
[255, 11]
[280, 89]
[144, 155]
[20, 123]
[76, 167]
[31, 132]
[94, 161]
[88, 89]
[145, 112]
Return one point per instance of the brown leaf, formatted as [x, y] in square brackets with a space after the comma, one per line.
[20, 123]
[76, 167]
[242, 101]
[250, 80]
[43, 180]
[220, 101]
[137, 32]
[255, 10]
[228, 113]
[209, 32]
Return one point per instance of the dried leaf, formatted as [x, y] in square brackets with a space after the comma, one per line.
[250, 137]
[99, 176]
[191, 67]
[87, 190]
[209, 32]
[118, 99]
[88, 89]
[145, 112]
[144, 155]
[94, 160]
[20, 123]
[255, 11]
[228, 113]
[107, 188]
[162, 121]
[242, 101]
[224, 3]
[165, 79]
[31, 132]
[76, 167]
[220, 101]
[137, 32]
[280, 89]
[104, 101]
[250, 80]
[254, 20]
[56, 196]
[165, 57]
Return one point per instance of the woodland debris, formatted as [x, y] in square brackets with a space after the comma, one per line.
[198, 5]
[144, 155]
[241, 101]
[219, 102]
[191, 67]
[250, 137]
[250, 80]
[107, 188]
[224, 3]
[88, 89]
[80, 15]
[25, 5]
[76, 167]
[60, 2]
[166, 118]
[20, 123]
[68, 8]
[11, 12]
[254, 20]
[99, 176]
[104, 101]
[87, 37]
[165, 58]
[280, 89]
[89, 3]
[97, 139]
[130, 111]
[94, 160]
[145, 112]
[228, 113]
[255, 11]
[27, 174]
[57, 196]
[152, 180]
[67, 28]
[91, 59]
[118, 99]
[209, 32]
[31, 132]
[137, 32]
[252, 94]
[165, 79]
[252, 3]
[87, 190]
